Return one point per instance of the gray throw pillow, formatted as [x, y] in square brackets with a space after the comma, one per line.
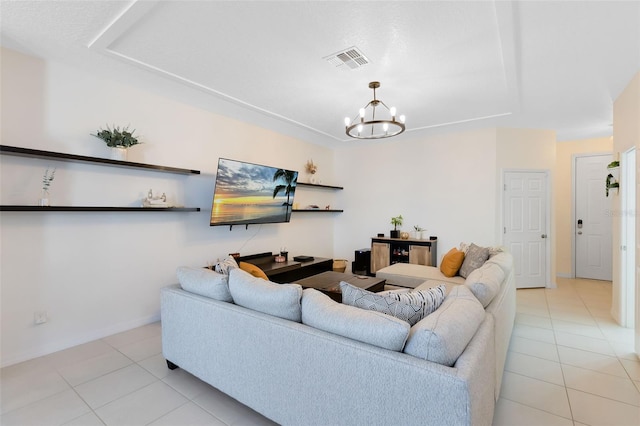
[279, 300]
[475, 258]
[204, 282]
[409, 306]
[375, 328]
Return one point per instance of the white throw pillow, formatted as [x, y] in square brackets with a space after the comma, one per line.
[378, 329]
[279, 300]
[204, 282]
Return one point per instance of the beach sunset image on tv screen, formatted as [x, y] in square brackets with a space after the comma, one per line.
[247, 193]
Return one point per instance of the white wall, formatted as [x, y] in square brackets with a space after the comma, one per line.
[444, 183]
[100, 273]
[529, 149]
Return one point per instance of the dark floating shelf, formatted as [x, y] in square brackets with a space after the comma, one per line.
[315, 185]
[17, 208]
[59, 156]
[318, 210]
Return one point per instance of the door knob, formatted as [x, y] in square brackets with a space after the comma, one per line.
[543, 236]
[579, 232]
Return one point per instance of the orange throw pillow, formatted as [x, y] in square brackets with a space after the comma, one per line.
[253, 270]
[451, 262]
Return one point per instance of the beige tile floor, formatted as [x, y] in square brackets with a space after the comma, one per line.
[568, 364]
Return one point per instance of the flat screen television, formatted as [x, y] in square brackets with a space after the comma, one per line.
[247, 193]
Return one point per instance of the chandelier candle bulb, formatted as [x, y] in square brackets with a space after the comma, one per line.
[347, 121]
[392, 111]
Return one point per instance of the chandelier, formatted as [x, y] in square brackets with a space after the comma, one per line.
[370, 126]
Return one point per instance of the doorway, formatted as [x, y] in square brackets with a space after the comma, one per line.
[628, 237]
[526, 217]
[592, 218]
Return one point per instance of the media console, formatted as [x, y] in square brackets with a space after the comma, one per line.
[289, 271]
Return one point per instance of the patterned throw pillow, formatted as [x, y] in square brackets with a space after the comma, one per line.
[225, 266]
[474, 258]
[409, 306]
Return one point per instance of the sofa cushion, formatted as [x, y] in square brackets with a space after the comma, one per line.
[409, 306]
[226, 265]
[485, 282]
[322, 312]
[442, 336]
[451, 262]
[204, 282]
[279, 300]
[411, 275]
[504, 260]
[475, 258]
[253, 270]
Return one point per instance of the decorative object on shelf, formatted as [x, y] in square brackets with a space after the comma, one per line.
[280, 259]
[284, 253]
[311, 169]
[157, 202]
[404, 235]
[47, 178]
[370, 126]
[419, 231]
[118, 140]
[395, 221]
[611, 183]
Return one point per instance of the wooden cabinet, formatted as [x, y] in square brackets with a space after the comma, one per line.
[380, 255]
[387, 251]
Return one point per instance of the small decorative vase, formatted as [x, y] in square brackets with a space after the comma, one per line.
[118, 153]
[44, 198]
[404, 235]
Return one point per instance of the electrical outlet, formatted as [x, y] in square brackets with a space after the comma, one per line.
[40, 317]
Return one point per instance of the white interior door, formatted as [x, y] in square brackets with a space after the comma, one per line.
[593, 233]
[525, 230]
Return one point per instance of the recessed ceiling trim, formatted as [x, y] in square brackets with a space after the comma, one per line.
[127, 18]
[136, 11]
[450, 123]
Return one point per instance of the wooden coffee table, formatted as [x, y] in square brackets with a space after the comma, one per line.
[329, 283]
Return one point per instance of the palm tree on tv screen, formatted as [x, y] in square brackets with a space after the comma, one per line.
[289, 178]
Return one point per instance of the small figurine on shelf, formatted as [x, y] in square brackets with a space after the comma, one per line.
[152, 201]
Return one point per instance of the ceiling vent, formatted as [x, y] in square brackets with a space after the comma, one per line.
[351, 57]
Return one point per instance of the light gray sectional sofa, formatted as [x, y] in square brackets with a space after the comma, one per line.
[493, 284]
[299, 358]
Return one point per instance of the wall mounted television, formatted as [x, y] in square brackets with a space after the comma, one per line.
[247, 193]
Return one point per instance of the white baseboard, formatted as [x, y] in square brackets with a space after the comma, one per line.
[78, 340]
[564, 275]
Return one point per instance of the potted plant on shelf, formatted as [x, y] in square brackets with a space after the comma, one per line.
[419, 231]
[118, 140]
[395, 221]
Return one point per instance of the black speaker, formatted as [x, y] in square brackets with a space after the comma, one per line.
[362, 263]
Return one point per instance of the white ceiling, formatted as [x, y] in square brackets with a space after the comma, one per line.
[446, 65]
